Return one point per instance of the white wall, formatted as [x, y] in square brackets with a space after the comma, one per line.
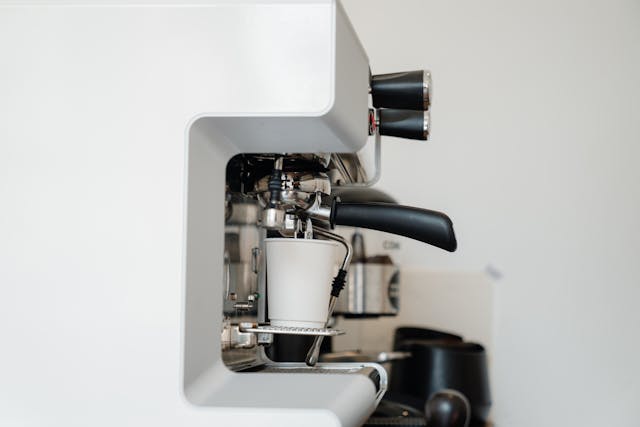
[534, 155]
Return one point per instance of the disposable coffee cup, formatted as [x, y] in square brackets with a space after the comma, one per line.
[299, 277]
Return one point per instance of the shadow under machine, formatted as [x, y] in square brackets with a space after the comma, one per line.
[289, 179]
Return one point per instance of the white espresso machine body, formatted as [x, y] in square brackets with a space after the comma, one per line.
[118, 119]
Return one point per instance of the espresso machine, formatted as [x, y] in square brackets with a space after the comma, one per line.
[177, 188]
[285, 266]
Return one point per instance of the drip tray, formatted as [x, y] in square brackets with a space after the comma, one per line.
[371, 372]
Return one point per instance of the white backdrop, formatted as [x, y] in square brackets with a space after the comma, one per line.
[534, 155]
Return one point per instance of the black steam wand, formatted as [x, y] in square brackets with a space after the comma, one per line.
[336, 287]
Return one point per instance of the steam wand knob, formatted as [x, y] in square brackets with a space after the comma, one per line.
[407, 124]
[409, 90]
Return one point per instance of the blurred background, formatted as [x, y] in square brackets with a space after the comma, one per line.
[534, 154]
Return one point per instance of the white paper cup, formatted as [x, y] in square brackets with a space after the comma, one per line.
[299, 276]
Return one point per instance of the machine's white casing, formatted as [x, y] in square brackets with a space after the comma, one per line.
[116, 123]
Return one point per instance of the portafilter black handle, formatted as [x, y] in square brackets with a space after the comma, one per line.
[434, 228]
[409, 90]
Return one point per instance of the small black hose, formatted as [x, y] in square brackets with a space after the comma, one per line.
[275, 183]
[338, 283]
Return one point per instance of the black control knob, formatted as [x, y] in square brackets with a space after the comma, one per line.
[404, 123]
[410, 90]
[447, 408]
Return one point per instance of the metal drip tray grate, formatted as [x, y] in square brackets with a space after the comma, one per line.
[288, 330]
[324, 369]
[309, 370]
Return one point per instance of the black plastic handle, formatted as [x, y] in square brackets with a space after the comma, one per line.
[404, 123]
[408, 90]
[434, 228]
